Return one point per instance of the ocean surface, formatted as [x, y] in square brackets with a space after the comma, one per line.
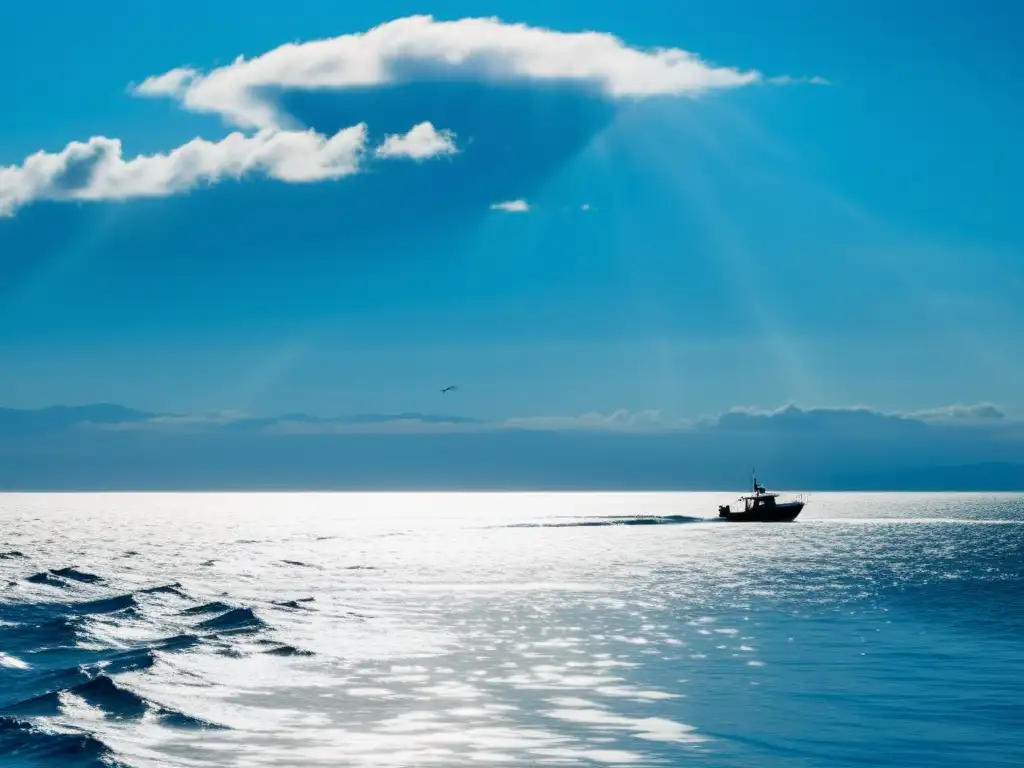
[518, 629]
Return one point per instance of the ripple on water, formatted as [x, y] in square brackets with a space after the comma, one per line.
[550, 630]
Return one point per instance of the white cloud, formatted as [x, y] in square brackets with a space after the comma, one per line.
[416, 48]
[976, 412]
[620, 420]
[400, 425]
[421, 48]
[97, 169]
[864, 420]
[789, 80]
[585, 207]
[172, 422]
[171, 83]
[422, 142]
[512, 206]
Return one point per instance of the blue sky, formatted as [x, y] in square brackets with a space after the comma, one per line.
[851, 243]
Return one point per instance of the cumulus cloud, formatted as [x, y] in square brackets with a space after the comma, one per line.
[422, 142]
[419, 48]
[512, 206]
[415, 49]
[97, 169]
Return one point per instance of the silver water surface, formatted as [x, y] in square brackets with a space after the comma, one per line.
[533, 629]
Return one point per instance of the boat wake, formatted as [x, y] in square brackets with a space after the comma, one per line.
[616, 520]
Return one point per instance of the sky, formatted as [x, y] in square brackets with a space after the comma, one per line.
[816, 203]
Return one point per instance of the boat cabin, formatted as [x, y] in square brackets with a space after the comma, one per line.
[759, 501]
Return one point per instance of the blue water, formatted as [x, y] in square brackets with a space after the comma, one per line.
[477, 629]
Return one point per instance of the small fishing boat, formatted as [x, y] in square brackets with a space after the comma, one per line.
[762, 507]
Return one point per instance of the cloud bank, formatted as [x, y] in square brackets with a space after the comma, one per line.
[106, 447]
[275, 144]
[850, 420]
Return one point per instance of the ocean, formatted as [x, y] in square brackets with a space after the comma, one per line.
[509, 629]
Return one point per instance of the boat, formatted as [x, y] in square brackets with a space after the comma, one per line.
[762, 506]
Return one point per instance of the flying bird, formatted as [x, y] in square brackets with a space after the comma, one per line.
[452, 388]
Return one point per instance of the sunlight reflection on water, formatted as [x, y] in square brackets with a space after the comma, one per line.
[441, 631]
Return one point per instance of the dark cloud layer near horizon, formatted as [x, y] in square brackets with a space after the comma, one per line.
[109, 447]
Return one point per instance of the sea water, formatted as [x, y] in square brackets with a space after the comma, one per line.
[518, 629]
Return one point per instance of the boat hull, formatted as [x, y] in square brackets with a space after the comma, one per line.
[780, 513]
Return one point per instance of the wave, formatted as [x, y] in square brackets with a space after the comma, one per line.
[57, 632]
[62, 660]
[23, 688]
[45, 577]
[11, 662]
[608, 521]
[29, 744]
[55, 628]
[76, 575]
[166, 589]
[26, 693]
[287, 650]
[297, 604]
[104, 693]
[105, 605]
[178, 642]
[130, 661]
[11, 555]
[44, 705]
[101, 692]
[215, 607]
[174, 719]
[235, 619]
